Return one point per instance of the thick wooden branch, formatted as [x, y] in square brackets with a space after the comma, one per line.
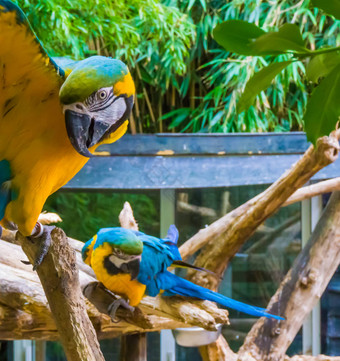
[229, 233]
[302, 287]
[58, 274]
[30, 316]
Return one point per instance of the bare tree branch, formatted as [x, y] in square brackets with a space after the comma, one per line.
[313, 190]
[302, 287]
[229, 233]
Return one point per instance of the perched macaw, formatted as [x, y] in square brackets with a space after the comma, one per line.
[51, 118]
[132, 264]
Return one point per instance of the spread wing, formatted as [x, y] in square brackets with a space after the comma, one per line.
[26, 70]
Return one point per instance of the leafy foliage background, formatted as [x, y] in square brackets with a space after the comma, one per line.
[84, 214]
[185, 81]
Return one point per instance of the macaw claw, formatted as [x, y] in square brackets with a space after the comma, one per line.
[44, 239]
[120, 302]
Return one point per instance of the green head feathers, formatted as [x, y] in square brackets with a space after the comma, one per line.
[90, 75]
[120, 238]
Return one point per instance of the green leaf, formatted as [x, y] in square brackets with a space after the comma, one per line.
[323, 108]
[216, 118]
[191, 4]
[331, 7]
[287, 39]
[237, 36]
[321, 65]
[260, 81]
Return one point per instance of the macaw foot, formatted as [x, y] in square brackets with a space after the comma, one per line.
[120, 302]
[43, 235]
[0, 232]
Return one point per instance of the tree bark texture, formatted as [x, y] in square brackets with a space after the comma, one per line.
[327, 186]
[25, 313]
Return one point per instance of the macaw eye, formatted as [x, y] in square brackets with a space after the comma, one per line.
[102, 95]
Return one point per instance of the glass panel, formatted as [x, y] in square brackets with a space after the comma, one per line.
[6, 350]
[330, 312]
[54, 352]
[257, 270]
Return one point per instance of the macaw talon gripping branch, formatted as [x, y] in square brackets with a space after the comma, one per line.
[44, 238]
[120, 302]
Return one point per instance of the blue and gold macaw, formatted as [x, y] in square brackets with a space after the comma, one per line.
[51, 118]
[132, 264]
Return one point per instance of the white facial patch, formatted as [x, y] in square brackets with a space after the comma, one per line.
[119, 261]
[112, 113]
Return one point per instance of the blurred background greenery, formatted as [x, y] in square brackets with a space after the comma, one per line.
[185, 81]
[84, 213]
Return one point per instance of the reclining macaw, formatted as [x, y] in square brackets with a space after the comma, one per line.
[51, 119]
[132, 264]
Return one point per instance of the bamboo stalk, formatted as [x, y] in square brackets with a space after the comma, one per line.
[146, 97]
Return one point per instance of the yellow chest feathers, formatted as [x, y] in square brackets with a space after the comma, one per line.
[119, 283]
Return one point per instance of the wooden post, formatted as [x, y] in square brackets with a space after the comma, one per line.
[133, 347]
[40, 351]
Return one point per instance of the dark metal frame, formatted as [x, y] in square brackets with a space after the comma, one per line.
[179, 161]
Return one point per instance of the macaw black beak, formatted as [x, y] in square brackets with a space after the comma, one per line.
[132, 268]
[85, 132]
[77, 126]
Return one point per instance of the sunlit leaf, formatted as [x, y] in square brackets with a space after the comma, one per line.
[237, 36]
[287, 39]
[259, 82]
[191, 4]
[321, 65]
[216, 118]
[323, 108]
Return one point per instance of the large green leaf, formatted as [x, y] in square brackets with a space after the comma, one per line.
[331, 7]
[323, 108]
[237, 36]
[287, 40]
[321, 65]
[244, 38]
[260, 81]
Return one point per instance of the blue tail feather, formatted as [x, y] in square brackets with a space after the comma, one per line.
[179, 286]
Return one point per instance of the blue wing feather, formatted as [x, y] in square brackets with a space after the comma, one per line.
[156, 258]
[5, 192]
